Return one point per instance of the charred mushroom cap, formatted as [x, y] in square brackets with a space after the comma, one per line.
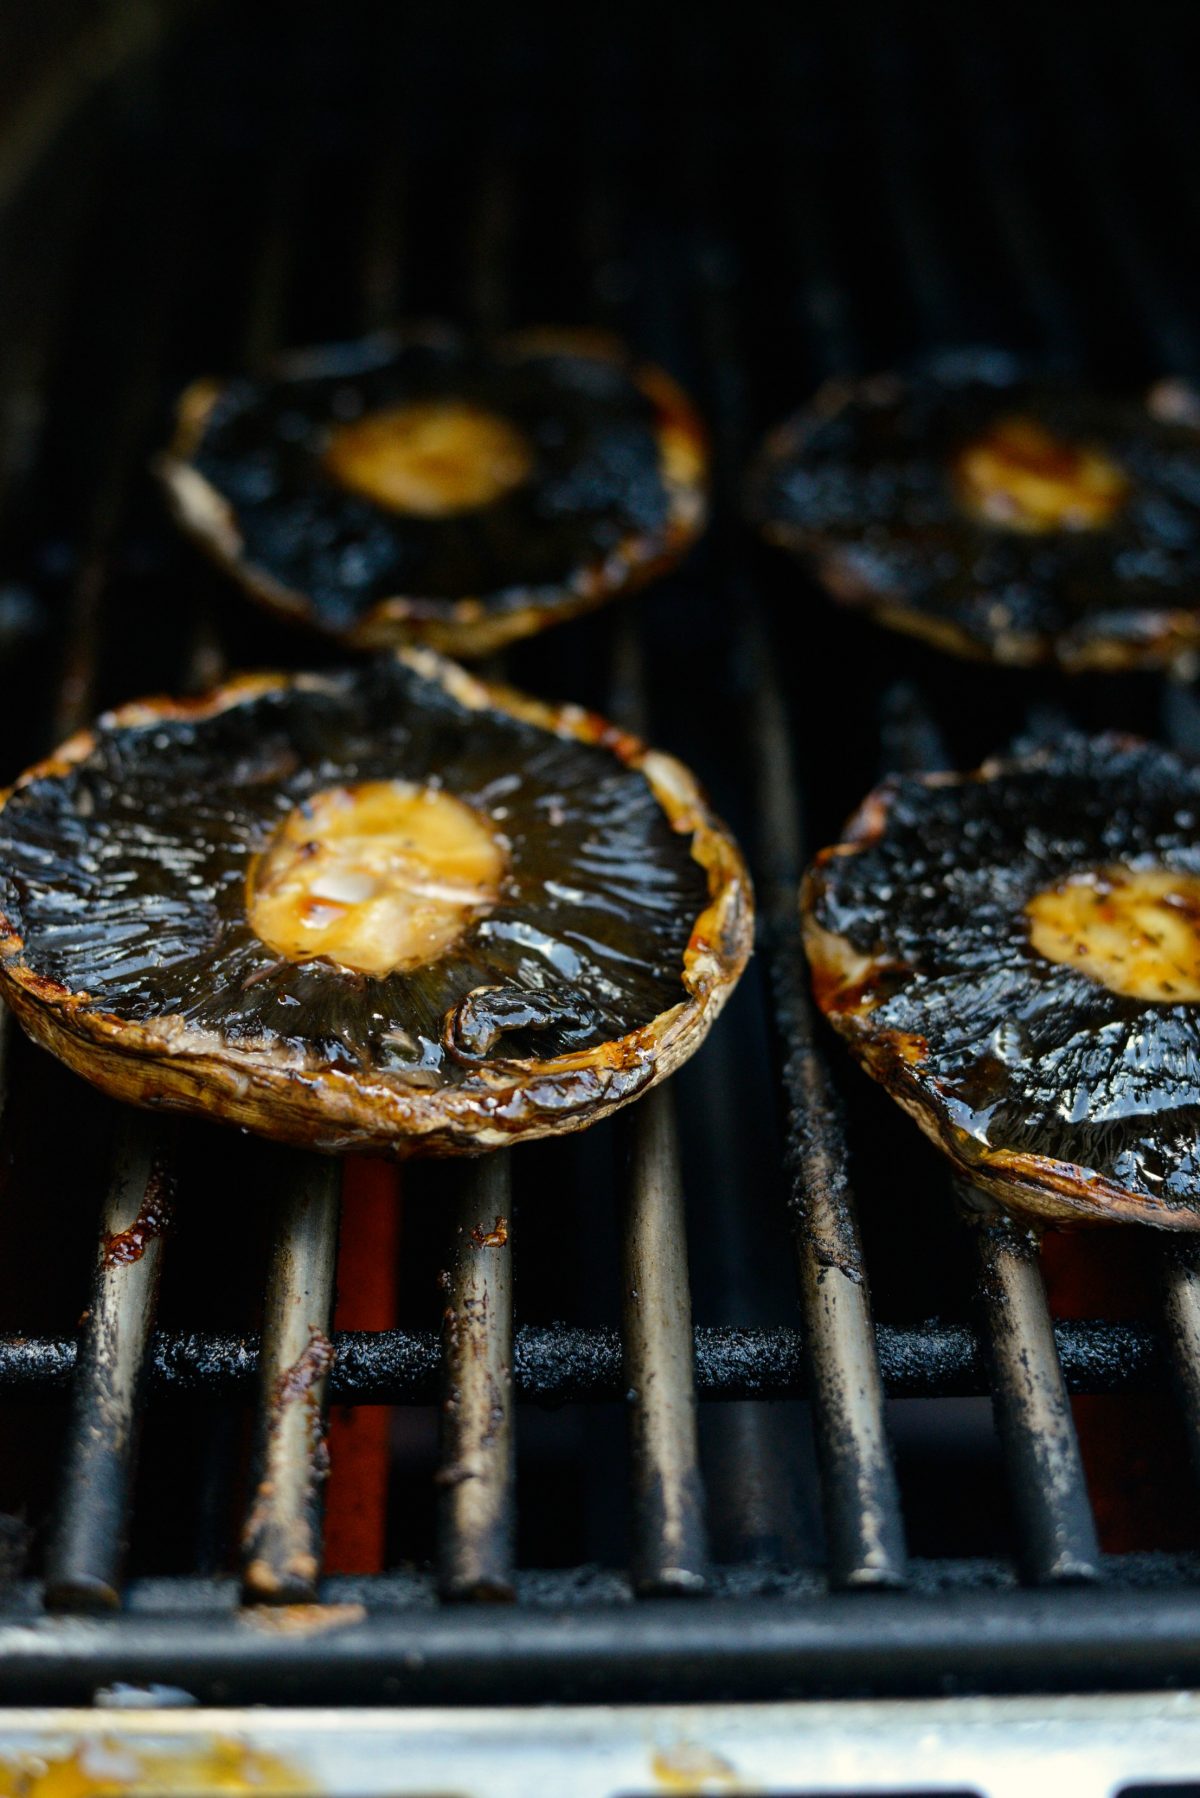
[998, 514]
[1015, 955]
[565, 927]
[419, 487]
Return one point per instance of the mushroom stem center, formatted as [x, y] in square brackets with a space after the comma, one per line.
[1135, 930]
[432, 457]
[375, 878]
[1022, 476]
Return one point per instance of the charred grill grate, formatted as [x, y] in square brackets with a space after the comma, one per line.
[757, 208]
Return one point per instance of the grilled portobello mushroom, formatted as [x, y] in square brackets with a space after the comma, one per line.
[388, 909]
[421, 487]
[1015, 955]
[1001, 514]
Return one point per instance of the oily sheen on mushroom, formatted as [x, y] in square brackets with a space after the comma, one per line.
[388, 908]
[1000, 513]
[1015, 955]
[420, 486]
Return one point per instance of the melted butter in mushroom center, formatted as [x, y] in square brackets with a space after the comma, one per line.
[1135, 930]
[432, 458]
[1022, 476]
[375, 878]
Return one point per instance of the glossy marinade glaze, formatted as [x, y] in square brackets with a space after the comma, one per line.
[127, 869]
[422, 486]
[998, 511]
[1015, 955]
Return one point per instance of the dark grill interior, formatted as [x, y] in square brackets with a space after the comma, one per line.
[754, 204]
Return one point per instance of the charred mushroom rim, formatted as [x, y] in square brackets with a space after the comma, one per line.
[1015, 956]
[419, 487]
[1000, 514]
[388, 909]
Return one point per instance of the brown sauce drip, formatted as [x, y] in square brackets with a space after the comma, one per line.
[302, 1375]
[495, 1238]
[153, 1219]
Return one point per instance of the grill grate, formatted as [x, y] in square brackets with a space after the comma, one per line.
[795, 200]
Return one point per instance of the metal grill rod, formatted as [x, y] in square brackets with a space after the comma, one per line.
[560, 1364]
[669, 1537]
[85, 1553]
[476, 1475]
[862, 1502]
[1033, 1412]
[670, 1548]
[281, 1538]
[994, 1640]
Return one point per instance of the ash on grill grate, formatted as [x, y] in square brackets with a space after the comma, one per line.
[755, 206]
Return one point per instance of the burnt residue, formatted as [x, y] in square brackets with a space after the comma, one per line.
[564, 1364]
[1024, 1054]
[153, 1220]
[596, 476]
[280, 1535]
[38, 1365]
[298, 1380]
[125, 875]
[495, 1238]
[859, 484]
[1004, 1242]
